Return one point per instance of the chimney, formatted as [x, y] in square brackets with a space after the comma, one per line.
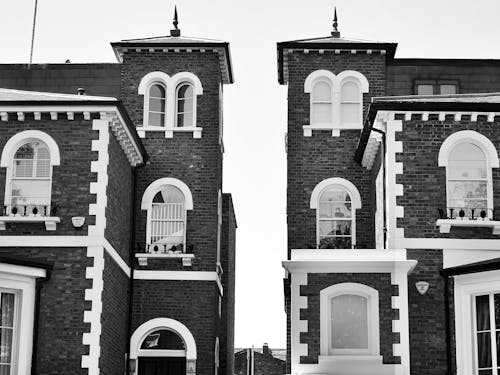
[266, 350]
[80, 91]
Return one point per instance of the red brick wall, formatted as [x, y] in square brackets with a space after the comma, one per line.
[318, 281]
[228, 255]
[264, 364]
[114, 318]
[427, 314]
[70, 180]
[196, 162]
[425, 182]
[193, 303]
[119, 192]
[62, 304]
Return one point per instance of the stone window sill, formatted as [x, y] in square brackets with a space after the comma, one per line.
[50, 221]
[143, 258]
[169, 132]
[335, 129]
[446, 224]
[375, 359]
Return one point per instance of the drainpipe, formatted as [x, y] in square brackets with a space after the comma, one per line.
[382, 165]
[131, 262]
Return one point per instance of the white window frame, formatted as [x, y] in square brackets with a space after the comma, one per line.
[179, 85]
[171, 84]
[467, 287]
[147, 99]
[336, 82]
[153, 189]
[373, 317]
[489, 150]
[340, 183]
[313, 101]
[21, 280]
[7, 161]
[359, 102]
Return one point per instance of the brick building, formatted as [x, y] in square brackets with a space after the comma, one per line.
[263, 361]
[393, 210]
[117, 245]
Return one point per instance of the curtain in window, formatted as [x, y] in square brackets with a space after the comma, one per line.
[157, 105]
[467, 179]
[349, 322]
[350, 105]
[168, 217]
[7, 304]
[321, 103]
[335, 219]
[185, 105]
[31, 175]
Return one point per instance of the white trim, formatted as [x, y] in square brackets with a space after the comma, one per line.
[20, 138]
[298, 325]
[21, 280]
[162, 323]
[49, 221]
[336, 181]
[353, 74]
[446, 224]
[154, 188]
[180, 275]
[465, 287]
[151, 78]
[318, 74]
[93, 316]
[447, 243]
[372, 316]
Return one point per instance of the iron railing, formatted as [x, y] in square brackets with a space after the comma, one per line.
[29, 210]
[466, 213]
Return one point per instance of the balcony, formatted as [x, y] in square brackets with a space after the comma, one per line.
[29, 213]
[467, 217]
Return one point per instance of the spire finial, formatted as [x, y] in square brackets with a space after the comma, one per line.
[335, 32]
[175, 31]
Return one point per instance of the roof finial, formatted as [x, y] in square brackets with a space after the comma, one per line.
[175, 31]
[335, 32]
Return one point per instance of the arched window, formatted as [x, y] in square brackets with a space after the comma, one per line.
[157, 105]
[185, 113]
[468, 157]
[350, 103]
[166, 201]
[335, 201]
[321, 102]
[29, 157]
[349, 320]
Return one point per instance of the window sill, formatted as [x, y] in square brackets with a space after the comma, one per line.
[335, 129]
[50, 221]
[371, 359]
[446, 224]
[169, 132]
[143, 258]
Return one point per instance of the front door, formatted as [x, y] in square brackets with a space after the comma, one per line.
[162, 366]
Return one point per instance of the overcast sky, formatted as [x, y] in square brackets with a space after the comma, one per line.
[255, 105]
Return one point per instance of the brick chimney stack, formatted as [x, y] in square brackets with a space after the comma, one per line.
[266, 350]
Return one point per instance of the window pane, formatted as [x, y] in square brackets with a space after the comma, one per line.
[31, 192]
[467, 151]
[157, 105]
[483, 313]
[467, 169]
[185, 105]
[350, 92]
[467, 189]
[322, 92]
[156, 119]
[349, 328]
[23, 168]
[6, 344]
[335, 243]
[335, 228]
[448, 89]
[485, 372]
[157, 91]
[185, 119]
[496, 298]
[333, 194]
[7, 310]
[43, 168]
[4, 369]
[26, 151]
[322, 113]
[163, 339]
[484, 350]
[334, 209]
[425, 90]
[350, 112]
[185, 91]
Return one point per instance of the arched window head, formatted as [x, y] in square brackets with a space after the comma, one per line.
[157, 105]
[351, 107]
[321, 102]
[468, 157]
[335, 201]
[29, 157]
[349, 319]
[185, 113]
[164, 339]
[166, 201]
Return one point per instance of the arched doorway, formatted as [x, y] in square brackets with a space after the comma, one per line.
[162, 346]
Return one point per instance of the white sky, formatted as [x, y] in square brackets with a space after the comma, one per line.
[255, 105]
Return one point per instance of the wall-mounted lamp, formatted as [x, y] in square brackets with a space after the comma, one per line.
[422, 286]
[78, 221]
